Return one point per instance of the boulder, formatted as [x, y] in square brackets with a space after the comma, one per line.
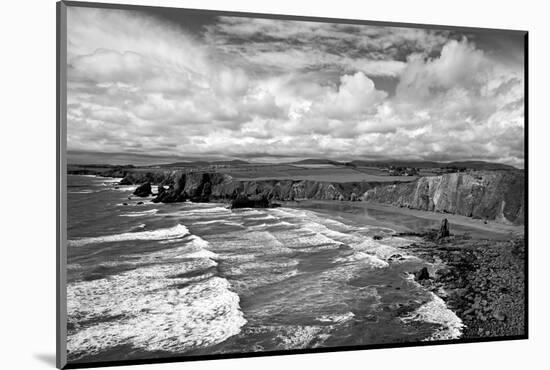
[144, 190]
[423, 274]
[353, 197]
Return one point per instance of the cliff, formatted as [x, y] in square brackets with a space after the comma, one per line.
[205, 186]
[493, 195]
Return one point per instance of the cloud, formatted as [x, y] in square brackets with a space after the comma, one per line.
[270, 88]
[460, 65]
[356, 95]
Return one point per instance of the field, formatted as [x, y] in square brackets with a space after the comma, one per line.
[328, 173]
[259, 171]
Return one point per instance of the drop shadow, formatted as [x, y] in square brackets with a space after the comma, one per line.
[46, 358]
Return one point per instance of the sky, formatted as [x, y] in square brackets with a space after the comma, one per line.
[165, 84]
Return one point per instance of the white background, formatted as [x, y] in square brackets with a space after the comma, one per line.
[27, 209]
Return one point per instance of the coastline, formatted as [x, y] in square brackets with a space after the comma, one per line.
[410, 220]
[478, 271]
[482, 281]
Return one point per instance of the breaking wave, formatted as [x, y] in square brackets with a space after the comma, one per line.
[436, 311]
[150, 212]
[175, 232]
[171, 302]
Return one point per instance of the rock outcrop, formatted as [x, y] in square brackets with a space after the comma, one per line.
[196, 187]
[143, 190]
[443, 229]
[422, 274]
[492, 195]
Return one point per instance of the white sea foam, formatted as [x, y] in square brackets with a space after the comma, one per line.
[151, 313]
[211, 210]
[246, 211]
[281, 223]
[149, 212]
[262, 218]
[300, 337]
[207, 222]
[192, 247]
[175, 232]
[338, 319]
[125, 188]
[289, 212]
[197, 212]
[306, 240]
[171, 302]
[268, 265]
[436, 312]
[109, 181]
[382, 251]
[169, 241]
[84, 191]
[333, 234]
[252, 242]
[369, 259]
[220, 221]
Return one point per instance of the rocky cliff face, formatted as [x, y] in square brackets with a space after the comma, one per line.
[293, 189]
[141, 177]
[493, 195]
[197, 187]
[204, 186]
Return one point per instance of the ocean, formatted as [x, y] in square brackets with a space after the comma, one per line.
[158, 280]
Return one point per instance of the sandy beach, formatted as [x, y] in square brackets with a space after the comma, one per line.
[410, 220]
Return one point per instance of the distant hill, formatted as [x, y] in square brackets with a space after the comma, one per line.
[317, 161]
[475, 165]
[235, 162]
[480, 165]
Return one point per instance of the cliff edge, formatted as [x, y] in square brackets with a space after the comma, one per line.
[491, 195]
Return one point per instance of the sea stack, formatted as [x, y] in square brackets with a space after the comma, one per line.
[443, 229]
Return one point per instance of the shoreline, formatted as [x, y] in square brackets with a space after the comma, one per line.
[482, 281]
[478, 271]
[410, 220]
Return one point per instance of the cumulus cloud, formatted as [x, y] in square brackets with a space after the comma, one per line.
[261, 88]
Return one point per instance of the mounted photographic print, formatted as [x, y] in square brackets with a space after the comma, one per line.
[235, 184]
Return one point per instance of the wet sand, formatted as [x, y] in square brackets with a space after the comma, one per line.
[410, 220]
